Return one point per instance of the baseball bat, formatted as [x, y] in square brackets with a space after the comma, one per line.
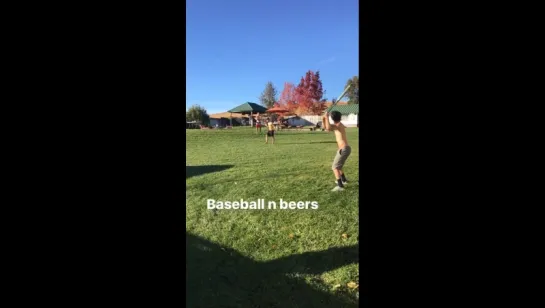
[340, 97]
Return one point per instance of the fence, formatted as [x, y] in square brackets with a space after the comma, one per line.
[350, 120]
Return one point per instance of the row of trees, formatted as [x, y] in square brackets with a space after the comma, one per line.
[307, 96]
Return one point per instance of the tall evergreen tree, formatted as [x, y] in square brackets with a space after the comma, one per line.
[353, 93]
[268, 97]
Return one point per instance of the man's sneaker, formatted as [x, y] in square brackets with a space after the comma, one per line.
[337, 188]
[344, 183]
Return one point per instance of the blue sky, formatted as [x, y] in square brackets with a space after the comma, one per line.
[234, 47]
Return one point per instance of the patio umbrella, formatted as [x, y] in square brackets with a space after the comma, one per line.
[279, 111]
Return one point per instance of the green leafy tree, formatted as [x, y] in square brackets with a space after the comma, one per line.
[268, 97]
[354, 91]
[199, 114]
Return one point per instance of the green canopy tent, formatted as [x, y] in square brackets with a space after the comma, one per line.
[249, 108]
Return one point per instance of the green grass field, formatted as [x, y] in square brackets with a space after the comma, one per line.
[270, 258]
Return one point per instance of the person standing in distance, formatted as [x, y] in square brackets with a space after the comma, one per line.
[270, 131]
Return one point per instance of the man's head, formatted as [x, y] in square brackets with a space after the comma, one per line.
[336, 116]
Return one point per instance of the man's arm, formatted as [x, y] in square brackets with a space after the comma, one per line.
[327, 125]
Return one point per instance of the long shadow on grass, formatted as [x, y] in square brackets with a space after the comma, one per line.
[307, 142]
[258, 178]
[199, 170]
[221, 277]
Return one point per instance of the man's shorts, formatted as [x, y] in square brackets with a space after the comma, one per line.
[270, 133]
[341, 157]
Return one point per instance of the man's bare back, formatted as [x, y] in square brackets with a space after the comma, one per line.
[339, 129]
[340, 134]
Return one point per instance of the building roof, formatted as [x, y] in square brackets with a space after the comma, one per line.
[227, 115]
[346, 109]
[249, 107]
[329, 103]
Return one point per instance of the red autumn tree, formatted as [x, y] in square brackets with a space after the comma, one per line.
[309, 93]
[287, 98]
[318, 108]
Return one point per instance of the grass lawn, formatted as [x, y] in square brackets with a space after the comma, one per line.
[270, 258]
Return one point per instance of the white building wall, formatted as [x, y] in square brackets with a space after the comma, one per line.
[350, 120]
[300, 121]
[312, 118]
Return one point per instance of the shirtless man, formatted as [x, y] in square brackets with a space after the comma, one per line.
[344, 149]
[258, 124]
[270, 131]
